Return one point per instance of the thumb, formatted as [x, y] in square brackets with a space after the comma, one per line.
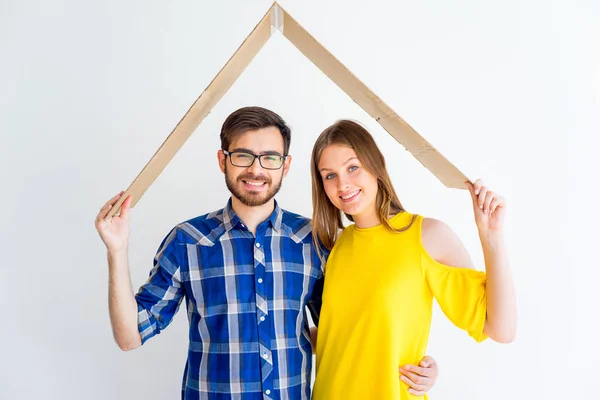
[125, 207]
[427, 362]
[472, 193]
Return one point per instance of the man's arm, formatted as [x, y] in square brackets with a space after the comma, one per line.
[314, 307]
[121, 301]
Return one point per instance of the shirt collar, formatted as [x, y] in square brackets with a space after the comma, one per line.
[232, 220]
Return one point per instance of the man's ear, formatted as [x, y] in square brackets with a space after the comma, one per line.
[222, 158]
[286, 165]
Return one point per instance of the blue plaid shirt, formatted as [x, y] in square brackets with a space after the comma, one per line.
[245, 295]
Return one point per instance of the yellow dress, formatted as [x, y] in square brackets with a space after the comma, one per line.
[377, 305]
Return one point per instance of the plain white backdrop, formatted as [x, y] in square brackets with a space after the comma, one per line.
[89, 90]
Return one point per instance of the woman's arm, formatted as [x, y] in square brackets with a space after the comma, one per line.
[444, 246]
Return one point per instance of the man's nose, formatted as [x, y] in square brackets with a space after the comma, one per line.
[256, 168]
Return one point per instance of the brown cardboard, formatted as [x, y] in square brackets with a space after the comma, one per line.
[198, 111]
[446, 172]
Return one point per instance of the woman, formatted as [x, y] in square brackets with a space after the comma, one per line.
[384, 270]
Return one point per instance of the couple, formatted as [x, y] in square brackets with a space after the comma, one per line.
[247, 272]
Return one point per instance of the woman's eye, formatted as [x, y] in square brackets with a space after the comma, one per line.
[330, 176]
[353, 168]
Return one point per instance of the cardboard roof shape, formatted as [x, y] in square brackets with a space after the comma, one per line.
[277, 19]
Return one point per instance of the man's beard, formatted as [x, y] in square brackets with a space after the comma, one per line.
[249, 198]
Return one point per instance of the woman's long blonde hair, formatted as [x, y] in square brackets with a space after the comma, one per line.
[327, 219]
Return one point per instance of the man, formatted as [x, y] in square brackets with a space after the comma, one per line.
[246, 271]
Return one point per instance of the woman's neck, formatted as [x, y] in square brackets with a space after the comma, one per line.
[367, 219]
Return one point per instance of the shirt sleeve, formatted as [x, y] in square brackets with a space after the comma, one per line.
[315, 302]
[461, 294]
[160, 297]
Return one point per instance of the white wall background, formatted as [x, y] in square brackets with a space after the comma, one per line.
[89, 90]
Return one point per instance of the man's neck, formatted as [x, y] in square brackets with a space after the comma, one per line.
[252, 216]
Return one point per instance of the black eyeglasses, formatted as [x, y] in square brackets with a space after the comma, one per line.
[245, 159]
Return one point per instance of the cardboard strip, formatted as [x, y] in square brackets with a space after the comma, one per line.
[276, 19]
[445, 171]
[198, 111]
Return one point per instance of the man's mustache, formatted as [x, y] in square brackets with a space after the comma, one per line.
[252, 177]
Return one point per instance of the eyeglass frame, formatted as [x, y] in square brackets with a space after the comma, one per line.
[254, 157]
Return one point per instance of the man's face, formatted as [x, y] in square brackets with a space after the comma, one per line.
[254, 185]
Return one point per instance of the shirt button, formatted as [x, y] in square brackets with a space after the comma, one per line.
[262, 318]
[265, 356]
[257, 244]
[267, 391]
[259, 280]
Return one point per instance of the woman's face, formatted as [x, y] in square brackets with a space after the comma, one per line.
[349, 186]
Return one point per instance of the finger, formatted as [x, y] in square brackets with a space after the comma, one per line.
[481, 197]
[125, 207]
[111, 201]
[418, 381]
[493, 205]
[489, 197]
[416, 370]
[499, 202]
[412, 384]
[431, 365]
[102, 212]
[107, 206]
[417, 392]
[477, 185]
[472, 193]
[427, 362]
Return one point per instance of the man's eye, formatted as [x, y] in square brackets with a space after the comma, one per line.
[272, 158]
[243, 156]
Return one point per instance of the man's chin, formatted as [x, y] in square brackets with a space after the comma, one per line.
[254, 194]
[254, 199]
